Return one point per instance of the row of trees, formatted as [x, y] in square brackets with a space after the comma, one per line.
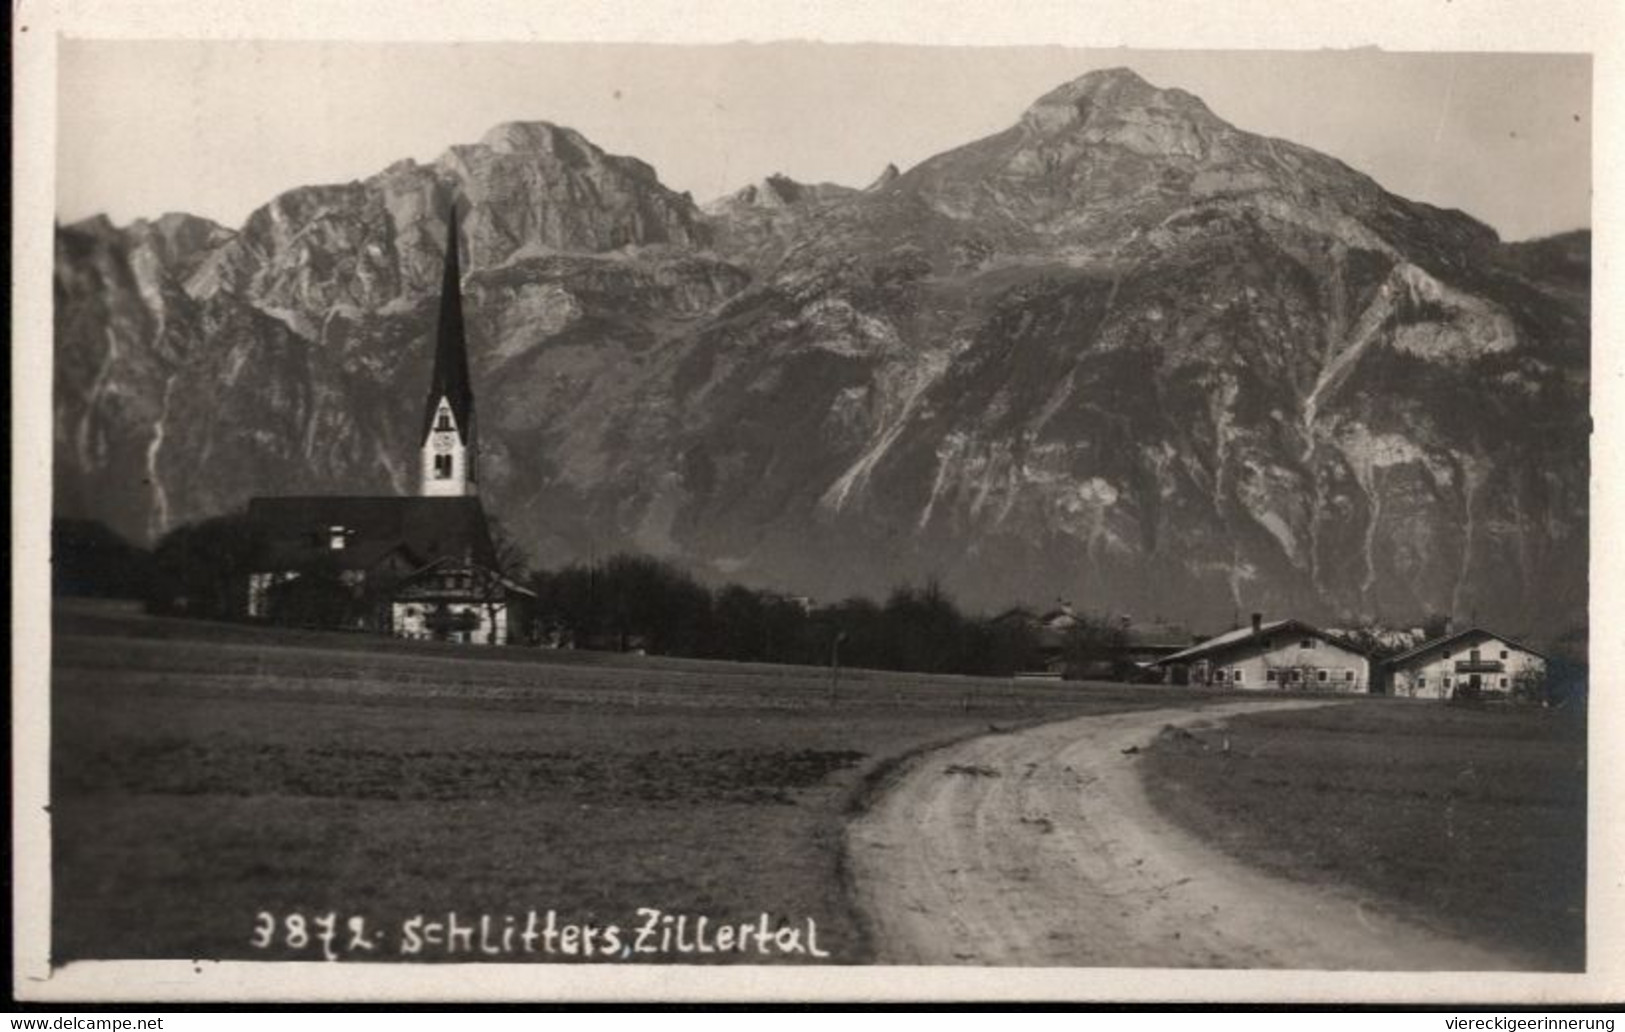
[637, 602]
[198, 569]
[626, 602]
[633, 601]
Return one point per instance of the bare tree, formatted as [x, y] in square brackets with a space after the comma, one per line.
[1530, 685]
[511, 567]
[1092, 644]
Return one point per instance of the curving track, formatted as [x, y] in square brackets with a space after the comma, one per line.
[1040, 848]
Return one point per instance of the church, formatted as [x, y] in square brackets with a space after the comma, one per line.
[423, 567]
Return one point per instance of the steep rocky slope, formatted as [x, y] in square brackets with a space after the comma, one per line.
[1121, 351]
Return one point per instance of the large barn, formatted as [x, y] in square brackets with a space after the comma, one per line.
[422, 566]
[1280, 654]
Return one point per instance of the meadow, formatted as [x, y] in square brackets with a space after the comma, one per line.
[219, 791]
[1472, 820]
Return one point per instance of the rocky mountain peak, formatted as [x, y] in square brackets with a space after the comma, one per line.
[1114, 99]
[776, 190]
[98, 225]
[538, 138]
[182, 229]
[776, 193]
[887, 176]
[1122, 83]
[1119, 351]
[180, 241]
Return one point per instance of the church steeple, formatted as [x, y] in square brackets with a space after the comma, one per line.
[449, 443]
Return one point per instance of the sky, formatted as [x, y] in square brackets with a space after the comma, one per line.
[219, 128]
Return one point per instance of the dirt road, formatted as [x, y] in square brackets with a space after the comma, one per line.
[1040, 848]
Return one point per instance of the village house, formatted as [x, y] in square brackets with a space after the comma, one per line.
[422, 566]
[1121, 647]
[1470, 662]
[1282, 654]
[1048, 637]
[1144, 644]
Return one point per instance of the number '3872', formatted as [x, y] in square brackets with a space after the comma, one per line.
[321, 932]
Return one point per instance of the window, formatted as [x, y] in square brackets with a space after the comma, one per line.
[1446, 682]
[1348, 675]
[443, 421]
[1218, 675]
[1320, 675]
[442, 467]
[1421, 680]
[1473, 656]
[1236, 676]
[1307, 643]
[1503, 653]
[1269, 676]
[1503, 682]
[336, 538]
[1297, 676]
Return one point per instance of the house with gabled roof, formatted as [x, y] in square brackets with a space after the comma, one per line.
[453, 596]
[1469, 662]
[1278, 655]
[1123, 647]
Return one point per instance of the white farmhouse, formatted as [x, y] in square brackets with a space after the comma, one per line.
[1468, 662]
[1287, 655]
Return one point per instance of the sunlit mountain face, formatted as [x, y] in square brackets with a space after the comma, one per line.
[1121, 351]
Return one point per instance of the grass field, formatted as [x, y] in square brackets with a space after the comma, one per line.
[1472, 820]
[203, 774]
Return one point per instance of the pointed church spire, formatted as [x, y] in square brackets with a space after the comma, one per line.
[448, 438]
[451, 350]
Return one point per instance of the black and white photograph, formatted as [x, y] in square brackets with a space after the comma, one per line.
[562, 507]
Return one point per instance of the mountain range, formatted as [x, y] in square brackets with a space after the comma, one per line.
[1122, 352]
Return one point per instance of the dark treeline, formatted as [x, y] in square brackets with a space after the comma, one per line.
[88, 560]
[628, 602]
[632, 602]
[635, 602]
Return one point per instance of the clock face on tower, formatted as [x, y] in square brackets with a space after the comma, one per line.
[444, 442]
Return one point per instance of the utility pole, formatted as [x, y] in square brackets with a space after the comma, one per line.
[835, 666]
[590, 632]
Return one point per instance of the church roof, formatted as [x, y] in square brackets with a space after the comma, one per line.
[296, 530]
[450, 380]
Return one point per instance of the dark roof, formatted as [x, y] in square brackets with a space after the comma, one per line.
[1146, 646]
[1450, 639]
[295, 529]
[450, 380]
[1243, 635]
[1171, 637]
[1015, 613]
